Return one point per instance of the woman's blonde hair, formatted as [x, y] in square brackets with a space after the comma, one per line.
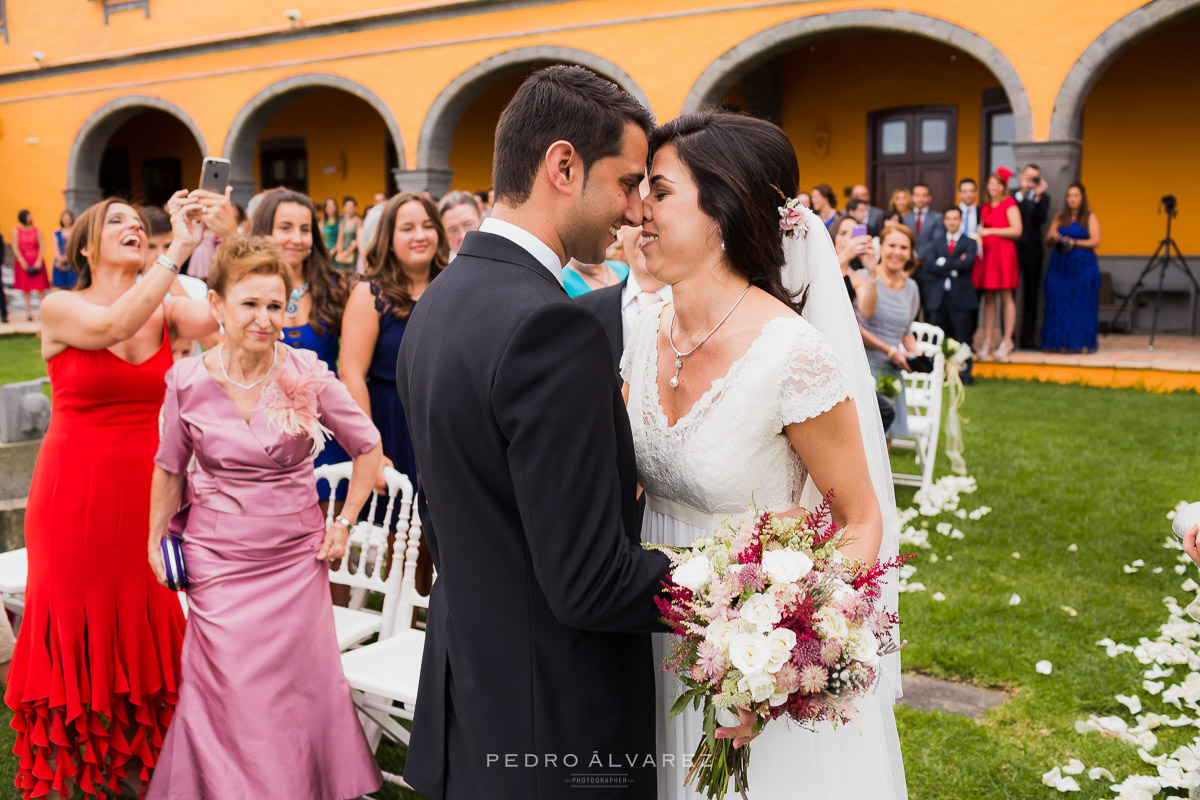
[239, 257]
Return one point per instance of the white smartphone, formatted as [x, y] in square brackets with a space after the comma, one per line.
[214, 175]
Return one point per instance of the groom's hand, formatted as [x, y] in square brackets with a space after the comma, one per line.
[743, 733]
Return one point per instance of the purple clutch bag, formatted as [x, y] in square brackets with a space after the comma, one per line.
[172, 553]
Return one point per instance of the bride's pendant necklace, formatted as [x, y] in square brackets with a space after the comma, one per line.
[293, 303]
[245, 386]
[679, 357]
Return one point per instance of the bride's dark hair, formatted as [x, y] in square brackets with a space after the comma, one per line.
[743, 167]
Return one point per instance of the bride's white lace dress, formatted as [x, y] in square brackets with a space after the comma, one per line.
[727, 449]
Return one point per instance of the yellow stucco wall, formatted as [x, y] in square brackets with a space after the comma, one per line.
[345, 141]
[663, 48]
[1140, 129]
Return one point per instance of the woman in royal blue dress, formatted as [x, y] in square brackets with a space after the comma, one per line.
[409, 251]
[313, 317]
[1071, 317]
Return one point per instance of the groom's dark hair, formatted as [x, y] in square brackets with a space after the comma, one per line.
[565, 103]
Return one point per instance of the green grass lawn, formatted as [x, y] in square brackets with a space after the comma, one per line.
[1059, 465]
[20, 359]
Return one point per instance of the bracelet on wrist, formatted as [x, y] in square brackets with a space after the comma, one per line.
[345, 523]
[892, 351]
[163, 261]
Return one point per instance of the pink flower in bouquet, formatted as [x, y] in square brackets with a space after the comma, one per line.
[807, 652]
[831, 651]
[813, 679]
[710, 660]
[291, 400]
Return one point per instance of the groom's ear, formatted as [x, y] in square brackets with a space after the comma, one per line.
[564, 167]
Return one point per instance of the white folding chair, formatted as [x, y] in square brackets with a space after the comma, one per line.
[383, 676]
[365, 568]
[923, 397]
[14, 572]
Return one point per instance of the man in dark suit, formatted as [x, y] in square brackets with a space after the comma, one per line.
[618, 306]
[537, 651]
[1034, 203]
[874, 214]
[926, 225]
[950, 301]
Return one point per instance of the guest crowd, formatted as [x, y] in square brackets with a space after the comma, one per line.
[287, 310]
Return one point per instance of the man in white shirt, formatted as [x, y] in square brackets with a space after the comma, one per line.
[618, 306]
[968, 204]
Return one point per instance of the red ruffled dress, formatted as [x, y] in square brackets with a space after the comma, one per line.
[997, 268]
[95, 674]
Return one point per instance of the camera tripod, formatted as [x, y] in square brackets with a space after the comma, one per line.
[1166, 255]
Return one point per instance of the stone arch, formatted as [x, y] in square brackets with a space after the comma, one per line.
[1108, 46]
[437, 132]
[712, 85]
[83, 163]
[247, 127]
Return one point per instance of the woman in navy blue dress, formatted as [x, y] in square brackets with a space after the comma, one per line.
[409, 251]
[1071, 317]
[313, 317]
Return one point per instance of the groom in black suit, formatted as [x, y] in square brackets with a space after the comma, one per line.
[950, 300]
[537, 655]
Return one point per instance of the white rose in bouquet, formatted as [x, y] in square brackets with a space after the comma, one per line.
[779, 648]
[760, 685]
[863, 646]
[841, 590]
[693, 574]
[721, 633]
[761, 611]
[831, 624]
[749, 653]
[786, 566]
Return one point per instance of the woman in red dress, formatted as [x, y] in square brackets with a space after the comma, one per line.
[29, 261]
[996, 268]
[95, 672]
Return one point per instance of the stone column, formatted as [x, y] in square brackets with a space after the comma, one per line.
[1059, 162]
[77, 199]
[437, 181]
[243, 190]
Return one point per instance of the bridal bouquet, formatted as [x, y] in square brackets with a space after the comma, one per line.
[771, 618]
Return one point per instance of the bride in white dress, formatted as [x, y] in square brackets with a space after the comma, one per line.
[734, 396]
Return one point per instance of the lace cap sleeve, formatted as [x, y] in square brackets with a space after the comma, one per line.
[814, 380]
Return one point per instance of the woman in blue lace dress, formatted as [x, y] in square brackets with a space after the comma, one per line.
[1071, 317]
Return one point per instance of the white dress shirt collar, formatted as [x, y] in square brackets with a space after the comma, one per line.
[527, 242]
[629, 306]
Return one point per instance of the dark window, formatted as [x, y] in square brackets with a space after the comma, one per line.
[999, 131]
[115, 178]
[912, 145]
[115, 6]
[161, 178]
[284, 162]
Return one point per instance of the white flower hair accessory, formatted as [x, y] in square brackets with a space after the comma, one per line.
[794, 217]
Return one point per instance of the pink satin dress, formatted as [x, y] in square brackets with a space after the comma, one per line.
[264, 711]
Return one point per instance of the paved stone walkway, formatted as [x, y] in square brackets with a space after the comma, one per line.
[931, 694]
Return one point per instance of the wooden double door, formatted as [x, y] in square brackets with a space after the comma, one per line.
[913, 145]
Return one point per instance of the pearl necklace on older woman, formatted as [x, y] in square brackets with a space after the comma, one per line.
[679, 357]
[245, 386]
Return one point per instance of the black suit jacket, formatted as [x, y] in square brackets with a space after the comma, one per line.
[528, 487]
[1033, 218]
[957, 267]
[606, 305]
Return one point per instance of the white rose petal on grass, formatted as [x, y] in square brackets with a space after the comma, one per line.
[1190, 585]
[1069, 611]
[1016, 555]
[1056, 780]
[1139, 563]
[693, 574]
[1129, 570]
[1073, 767]
[1096, 773]
[1015, 600]
[1153, 687]
[1044, 667]
[939, 596]
[1134, 703]
[1180, 569]
[956, 534]
[1073, 548]
[1157, 570]
[933, 558]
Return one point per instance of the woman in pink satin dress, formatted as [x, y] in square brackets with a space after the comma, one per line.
[264, 711]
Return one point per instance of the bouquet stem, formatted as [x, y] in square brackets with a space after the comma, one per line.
[712, 767]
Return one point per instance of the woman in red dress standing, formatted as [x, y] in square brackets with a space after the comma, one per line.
[29, 261]
[95, 672]
[996, 269]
